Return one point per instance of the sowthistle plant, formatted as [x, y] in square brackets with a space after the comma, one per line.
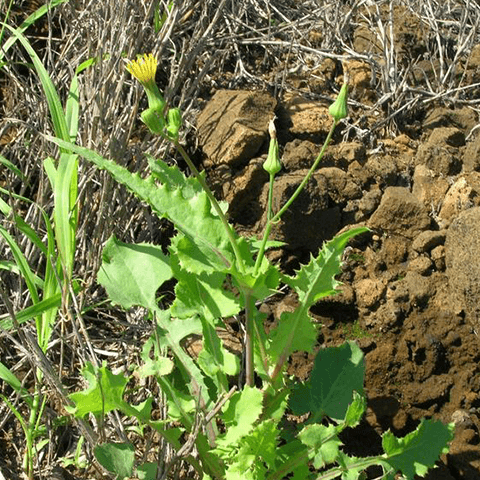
[233, 434]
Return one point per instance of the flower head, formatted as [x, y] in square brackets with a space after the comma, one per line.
[143, 69]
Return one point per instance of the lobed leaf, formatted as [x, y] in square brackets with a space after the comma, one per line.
[243, 410]
[104, 393]
[337, 373]
[418, 451]
[317, 279]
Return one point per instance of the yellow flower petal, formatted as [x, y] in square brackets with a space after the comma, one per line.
[144, 68]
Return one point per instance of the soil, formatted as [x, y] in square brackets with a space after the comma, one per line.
[411, 285]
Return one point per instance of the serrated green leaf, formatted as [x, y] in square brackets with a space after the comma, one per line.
[323, 441]
[132, 274]
[418, 451]
[204, 295]
[117, 458]
[244, 409]
[192, 215]
[104, 393]
[142, 411]
[355, 410]
[262, 443]
[337, 373]
[317, 279]
[294, 332]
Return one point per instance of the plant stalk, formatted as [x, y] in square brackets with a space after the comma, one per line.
[295, 194]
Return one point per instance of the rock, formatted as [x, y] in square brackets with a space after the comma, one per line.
[367, 204]
[438, 257]
[429, 187]
[305, 117]
[421, 265]
[234, 125]
[431, 391]
[447, 136]
[462, 118]
[368, 292]
[462, 245]
[310, 220]
[428, 240]
[340, 184]
[400, 212]
[471, 157]
[438, 155]
[463, 194]
[299, 154]
[383, 169]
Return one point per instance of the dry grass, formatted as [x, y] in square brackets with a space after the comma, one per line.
[418, 54]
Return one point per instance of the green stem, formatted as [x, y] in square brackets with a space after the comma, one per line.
[277, 217]
[216, 206]
[249, 337]
[270, 198]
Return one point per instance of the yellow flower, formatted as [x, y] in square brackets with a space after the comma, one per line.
[143, 69]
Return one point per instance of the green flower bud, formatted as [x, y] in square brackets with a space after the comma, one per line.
[339, 108]
[272, 164]
[153, 120]
[174, 122]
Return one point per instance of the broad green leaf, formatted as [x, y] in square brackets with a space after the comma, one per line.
[147, 471]
[204, 295]
[104, 393]
[418, 451]
[261, 443]
[295, 332]
[132, 274]
[323, 443]
[244, 409]
[142, 411]
[117, 458]
[337, 373]
[317, 279]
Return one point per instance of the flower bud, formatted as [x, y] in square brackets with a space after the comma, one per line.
[153, 119]
[272, 164]
[339, 108]
[174, 122]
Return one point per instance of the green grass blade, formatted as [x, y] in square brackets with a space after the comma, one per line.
[7, 376]
[66, 212]
[22, 263]
[35, 310]
[72, 109]
[54, 104]
[27, 23]
[13, 168]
